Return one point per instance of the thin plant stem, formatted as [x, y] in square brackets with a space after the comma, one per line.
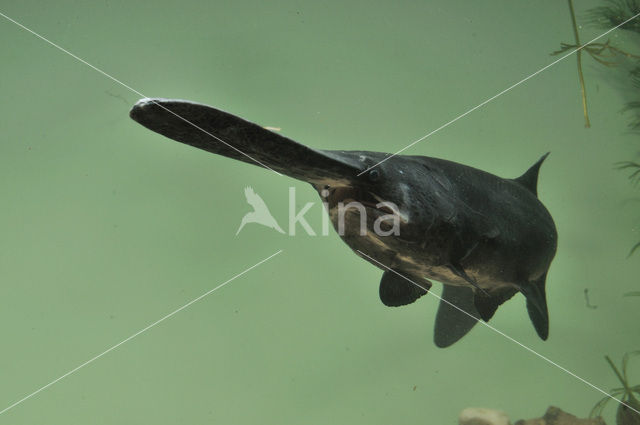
[623, 379]
[583, 89]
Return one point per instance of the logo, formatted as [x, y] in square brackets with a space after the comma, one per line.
[262, 215]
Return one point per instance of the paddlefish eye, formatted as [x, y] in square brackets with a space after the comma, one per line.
[374, 175]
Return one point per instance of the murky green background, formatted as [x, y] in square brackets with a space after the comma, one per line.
[107, 227]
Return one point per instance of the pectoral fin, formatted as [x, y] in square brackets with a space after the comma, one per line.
[456, 315]
[397, 289]
[457, 269]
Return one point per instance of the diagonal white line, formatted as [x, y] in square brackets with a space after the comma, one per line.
[498, 95]
[531, 350]
[91, 360]
[132, 89]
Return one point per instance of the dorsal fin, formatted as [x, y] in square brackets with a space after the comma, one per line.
[529, 179]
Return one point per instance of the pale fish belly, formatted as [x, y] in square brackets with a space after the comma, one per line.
[444, 274]
[374, 245]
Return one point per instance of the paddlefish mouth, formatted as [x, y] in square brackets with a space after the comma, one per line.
[225, 134]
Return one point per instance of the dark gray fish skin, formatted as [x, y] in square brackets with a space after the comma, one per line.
[489, 236]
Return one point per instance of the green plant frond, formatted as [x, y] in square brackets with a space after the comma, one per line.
[633, 249]
[634, 106]
[631, 106]
[563, 48]
[620, 393]
[602, 403]
[599, 407]
[615, 13]
[635, 175]
[635, 76]
[596, 47]
[635, 124]
[602, 51]
[598, 58]
[632, 294]
[603, 47]
[621, 165]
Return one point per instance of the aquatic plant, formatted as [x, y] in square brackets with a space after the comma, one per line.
[611, 14]
[635, 179]
[626, 393]
[615, 13]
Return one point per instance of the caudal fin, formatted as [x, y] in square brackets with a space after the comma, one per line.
[535, 294]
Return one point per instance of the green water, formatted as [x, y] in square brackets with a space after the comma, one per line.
[107, 227]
